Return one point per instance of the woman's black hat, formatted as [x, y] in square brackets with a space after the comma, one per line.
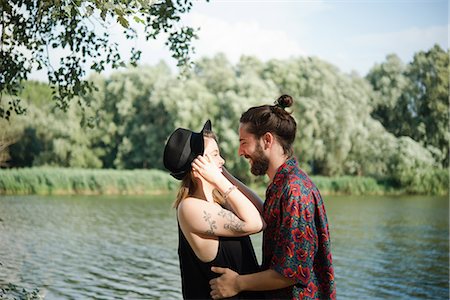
[182, 147]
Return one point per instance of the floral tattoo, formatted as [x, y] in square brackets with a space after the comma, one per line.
[234, 224]
[212, 223]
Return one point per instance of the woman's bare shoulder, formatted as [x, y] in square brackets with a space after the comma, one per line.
[190, 207]
[191, 202]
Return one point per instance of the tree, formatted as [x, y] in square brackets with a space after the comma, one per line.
[138, 108]
[389, 81]
[6, 140]
[52, 137]
[329, 107]
[29, 28]
[428, 101]
[132, 124]
[418, 95]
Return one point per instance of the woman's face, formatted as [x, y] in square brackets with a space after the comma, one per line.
[212, 149]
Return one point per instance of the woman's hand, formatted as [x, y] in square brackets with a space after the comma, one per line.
[206, 168]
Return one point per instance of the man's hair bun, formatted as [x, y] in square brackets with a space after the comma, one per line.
[285, 101]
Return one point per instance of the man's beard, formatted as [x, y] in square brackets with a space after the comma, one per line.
[260, 163]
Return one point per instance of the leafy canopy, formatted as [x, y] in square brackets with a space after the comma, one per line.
[31, 28]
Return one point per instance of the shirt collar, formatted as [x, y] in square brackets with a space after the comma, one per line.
[284, 170]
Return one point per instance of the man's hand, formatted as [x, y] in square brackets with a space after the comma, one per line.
[224, 286]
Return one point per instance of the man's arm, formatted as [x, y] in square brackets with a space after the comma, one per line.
[231, 283]
[252, 196]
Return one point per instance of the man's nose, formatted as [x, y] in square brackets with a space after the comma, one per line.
[240, 151]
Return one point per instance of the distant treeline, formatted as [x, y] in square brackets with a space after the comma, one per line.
[390, 126]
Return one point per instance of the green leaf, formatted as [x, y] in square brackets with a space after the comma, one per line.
[124, 22]
[138, 20]
[89, 10]
[68, 10]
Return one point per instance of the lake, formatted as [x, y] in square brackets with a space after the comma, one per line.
[126, 247]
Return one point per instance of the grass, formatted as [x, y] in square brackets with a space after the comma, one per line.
[62, 181]
[65, 181]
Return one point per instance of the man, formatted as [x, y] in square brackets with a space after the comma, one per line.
[297, 261]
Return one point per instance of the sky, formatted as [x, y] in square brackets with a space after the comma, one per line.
[353, 35]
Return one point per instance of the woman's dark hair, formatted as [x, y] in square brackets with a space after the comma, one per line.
[274, 119]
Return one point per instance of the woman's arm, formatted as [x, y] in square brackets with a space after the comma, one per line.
[206, 218]
[209, 219]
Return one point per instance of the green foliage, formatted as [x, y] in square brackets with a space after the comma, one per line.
[414, 168]
[343, 120]
[53, 181]
[48, 181]
[429, 100]
[333, 115]
[389, 80]
[417, 94]
[45, 140]
[426, 181]
[349, 185]
[37, 93]
[30, 28]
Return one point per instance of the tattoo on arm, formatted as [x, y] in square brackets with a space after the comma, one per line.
[212, 223]
[233, 224]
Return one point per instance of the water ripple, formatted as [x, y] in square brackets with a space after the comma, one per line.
[126, 248]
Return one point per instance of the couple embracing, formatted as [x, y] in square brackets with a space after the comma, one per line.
[216, 213]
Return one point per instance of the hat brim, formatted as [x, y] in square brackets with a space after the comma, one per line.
[195, 146]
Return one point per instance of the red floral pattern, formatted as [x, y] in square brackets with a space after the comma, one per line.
[296, 241]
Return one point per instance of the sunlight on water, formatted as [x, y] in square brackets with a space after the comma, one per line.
[126, 247]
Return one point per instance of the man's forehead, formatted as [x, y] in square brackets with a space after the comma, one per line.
[242, 129]
[243, 133]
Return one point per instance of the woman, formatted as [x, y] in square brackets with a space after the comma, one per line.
[210, 233]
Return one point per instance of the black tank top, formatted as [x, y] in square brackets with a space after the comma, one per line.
[235, 253]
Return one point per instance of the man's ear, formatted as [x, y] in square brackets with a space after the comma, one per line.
[268, 140]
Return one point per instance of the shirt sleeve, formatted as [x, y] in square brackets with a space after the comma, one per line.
[297, 238]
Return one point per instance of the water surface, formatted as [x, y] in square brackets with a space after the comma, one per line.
[126, 247]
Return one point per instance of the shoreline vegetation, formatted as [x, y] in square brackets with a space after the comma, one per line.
[384, 133]
[70, 181]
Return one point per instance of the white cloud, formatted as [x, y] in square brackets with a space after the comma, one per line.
[406, 40]
[280, 31]
[241, 38]
[403, 43]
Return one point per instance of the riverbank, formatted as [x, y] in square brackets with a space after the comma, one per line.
[65, 181]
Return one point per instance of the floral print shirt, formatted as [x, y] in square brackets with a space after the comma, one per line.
[296, 241]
